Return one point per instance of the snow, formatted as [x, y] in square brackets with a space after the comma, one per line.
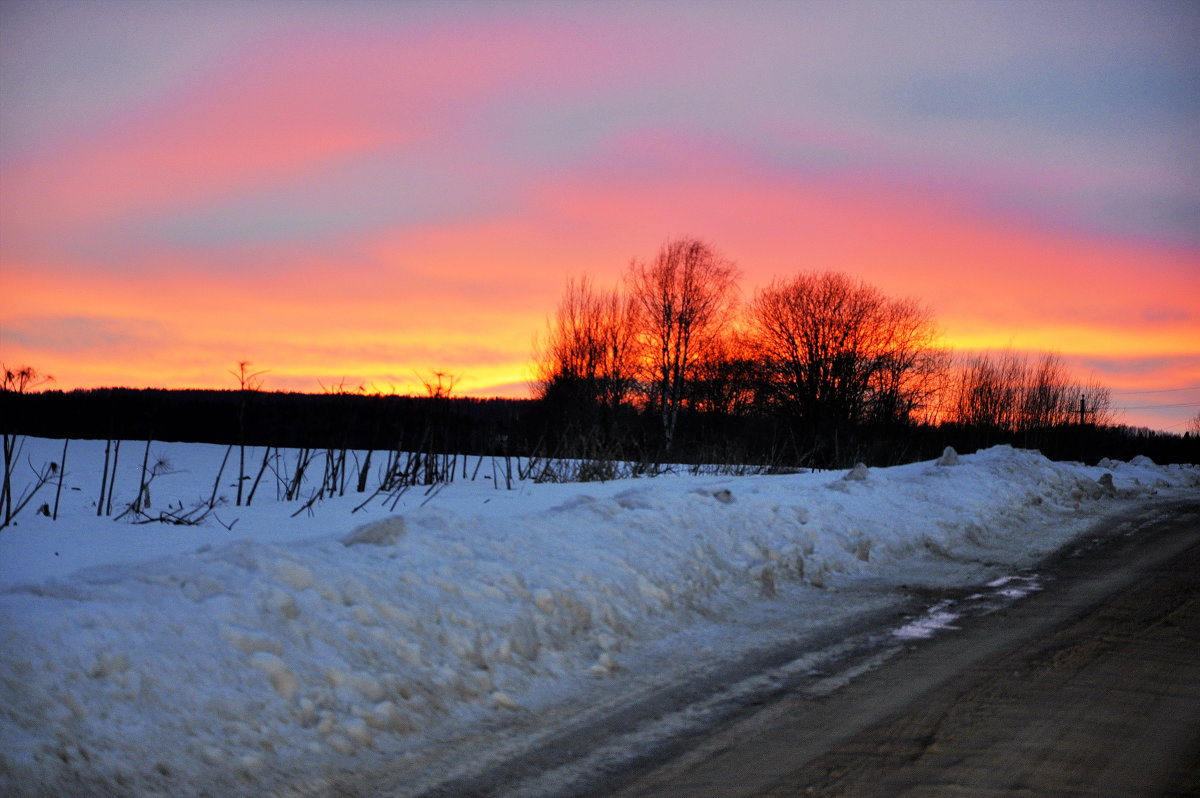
[936, 617]
[260, 652]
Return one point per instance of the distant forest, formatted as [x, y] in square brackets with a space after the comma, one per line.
[818, 370]
[518, 427]
[268, 418]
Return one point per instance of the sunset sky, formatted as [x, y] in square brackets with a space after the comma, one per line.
[361, 193]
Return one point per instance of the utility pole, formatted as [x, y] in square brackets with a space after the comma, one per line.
[1081, 408]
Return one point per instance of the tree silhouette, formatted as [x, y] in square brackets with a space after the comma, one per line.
[682, 298]
[840, 354]
[247, 381]
[584, 366]
[15, 381]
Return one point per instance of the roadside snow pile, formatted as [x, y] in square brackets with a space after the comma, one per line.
[242, 667]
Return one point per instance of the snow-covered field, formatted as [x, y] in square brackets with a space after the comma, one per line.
[260, 653]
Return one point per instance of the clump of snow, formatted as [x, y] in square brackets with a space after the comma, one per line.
[949, 457]
[857, 474]
[149, 659]
[281, 678]
[378, 533]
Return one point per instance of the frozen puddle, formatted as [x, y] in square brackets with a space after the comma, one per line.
[939, 616]
[1002, 592]
[1015, 587]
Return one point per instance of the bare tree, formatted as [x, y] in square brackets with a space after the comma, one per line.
[15, 381]
[727, 380]
[906, 365]
[841, 354]
[1046, 396]
[587, 357]
[682, 297]
[438, 429]
[247, 381]
[990, 391]
[1007, 392]
[1096, 401]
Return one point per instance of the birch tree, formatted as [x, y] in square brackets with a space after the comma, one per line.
[682, 299]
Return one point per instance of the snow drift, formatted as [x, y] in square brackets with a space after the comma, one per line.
[269, 659]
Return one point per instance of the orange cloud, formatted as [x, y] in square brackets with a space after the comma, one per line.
[468, 297]
[990, 279]
[457, 265]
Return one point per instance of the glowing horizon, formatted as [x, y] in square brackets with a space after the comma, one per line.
[363, 194]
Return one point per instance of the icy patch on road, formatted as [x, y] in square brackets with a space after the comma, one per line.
[941, 616]
[934, 620]
[1015, 587]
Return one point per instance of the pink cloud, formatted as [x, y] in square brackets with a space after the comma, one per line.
[287, 106]
[922, 237]
[533, 146]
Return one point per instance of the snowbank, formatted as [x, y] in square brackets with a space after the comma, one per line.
[204, 661]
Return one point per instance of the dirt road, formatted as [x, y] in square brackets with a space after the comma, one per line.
[1089, 687]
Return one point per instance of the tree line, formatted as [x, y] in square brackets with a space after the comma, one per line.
[269, 418]
[672, 365]
[817, 368]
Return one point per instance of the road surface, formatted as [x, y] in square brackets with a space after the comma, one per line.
[1090, 686]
